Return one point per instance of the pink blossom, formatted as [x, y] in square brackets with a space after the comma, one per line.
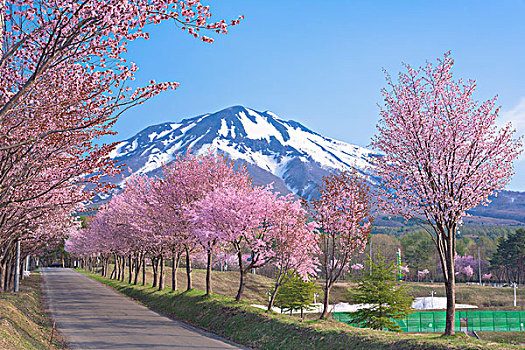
[357, 267]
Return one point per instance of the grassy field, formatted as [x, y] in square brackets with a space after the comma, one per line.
[239, 322]
[223, 282]
[482, 296]
[24, 322]
[226, 283]
[517, 338]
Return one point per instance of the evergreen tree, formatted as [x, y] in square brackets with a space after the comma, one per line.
[296, 294]
[509, 258]
[418, 251]
[388, 298]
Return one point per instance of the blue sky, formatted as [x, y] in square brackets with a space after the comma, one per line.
[320, 63]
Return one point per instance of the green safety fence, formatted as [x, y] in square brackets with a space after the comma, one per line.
[434, 321]
[496, 321]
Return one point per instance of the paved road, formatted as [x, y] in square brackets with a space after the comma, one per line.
[92, 316]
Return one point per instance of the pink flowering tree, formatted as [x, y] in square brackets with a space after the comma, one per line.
[468, 265]
[295, 242]
[342, 213]
[240, 216]
[141, 215]
[185, 182]
[443, 155]
[205, 217]
[357, 267]
[64, 81]
[422, 274]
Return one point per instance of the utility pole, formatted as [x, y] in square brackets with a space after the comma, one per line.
[370, 255]
[479, 266]
[17, 266]
[515, 285]
[399, 277]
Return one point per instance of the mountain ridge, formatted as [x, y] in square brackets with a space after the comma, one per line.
[285, 149]
[284, 152]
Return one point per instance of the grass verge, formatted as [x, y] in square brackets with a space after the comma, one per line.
[517, 338]
[24, 321]
[254, 328]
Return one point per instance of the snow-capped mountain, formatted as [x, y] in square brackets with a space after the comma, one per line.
[284, 152]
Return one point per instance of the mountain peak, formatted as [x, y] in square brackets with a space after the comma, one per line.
[275, 149]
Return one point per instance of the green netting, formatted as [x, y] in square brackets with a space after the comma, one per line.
[423, 321]
[434, 321]
[500, 321]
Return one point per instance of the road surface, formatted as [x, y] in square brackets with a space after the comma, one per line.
[92, 316]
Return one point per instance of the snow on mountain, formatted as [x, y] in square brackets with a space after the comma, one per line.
[284, 152]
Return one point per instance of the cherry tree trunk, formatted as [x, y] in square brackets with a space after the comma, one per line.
[3, 267]
[117, 266]
[450, 288]
[138, 262]
[208, 274]
[130, 269]
[174, 267]
[450, 320]
[161, 273]
[188, 270]
[242, 277]
[123, 268]
[144, 270]
[9, 276]
[272, 296]
[155, 267]
[242, 282]
[326, 301]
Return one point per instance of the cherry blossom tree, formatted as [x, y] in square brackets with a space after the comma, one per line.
[422, 274]
[443, 155]
[240, 216]
[343, 214]
[63, 83]
[185, 182]
[295, 243]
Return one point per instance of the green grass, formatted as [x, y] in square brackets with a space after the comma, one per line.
[482, 296]
[226, 283]
[242, 324]
[24, 322]
[517, 338]
[223, 282]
